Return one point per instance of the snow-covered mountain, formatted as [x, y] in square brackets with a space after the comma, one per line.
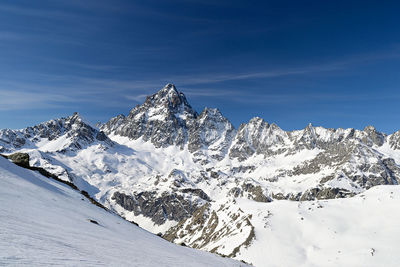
[59, 135]
[185, 175]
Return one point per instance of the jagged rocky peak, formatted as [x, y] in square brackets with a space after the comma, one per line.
[212, 132]
[81, 133]
[213, 113]
[373, 136]
[113, 124]
[308, 138]
[75, 130]
[257, 137]
[163, 119]
[168, 96]
[213, 117]
[166, 103]
[394, 140]
[319, 137]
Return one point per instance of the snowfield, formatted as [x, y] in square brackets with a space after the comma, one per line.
[359, 231]
[43, 223]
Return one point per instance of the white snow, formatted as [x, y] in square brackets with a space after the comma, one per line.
[45, 223]
[339, 232]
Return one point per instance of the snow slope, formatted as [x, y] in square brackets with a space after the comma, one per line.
[43, 222]
[359, 231]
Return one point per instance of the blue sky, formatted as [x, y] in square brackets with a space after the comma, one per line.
[331, 63]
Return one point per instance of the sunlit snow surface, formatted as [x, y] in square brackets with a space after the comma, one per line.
[359, 231]
[45, 223]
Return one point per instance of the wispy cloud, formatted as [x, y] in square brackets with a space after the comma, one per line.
[136, 98]
[208, 92]
[323, 68]
[11, 36]
[217, 78]
[49, 90]
[16, 100]
[35, 12]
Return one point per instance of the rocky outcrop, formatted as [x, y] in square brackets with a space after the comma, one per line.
[373, 137]
[250, 191]
[210, 135]
[167, 206]
[207, 230]
[21, 159]
[325, 193]
[257, 137]
[394, 141]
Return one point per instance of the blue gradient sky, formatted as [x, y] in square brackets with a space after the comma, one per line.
[331, 63]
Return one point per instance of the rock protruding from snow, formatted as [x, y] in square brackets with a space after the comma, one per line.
[210, 135]
[257, 137]
[394, 140]
[373, 137]
[160, 208]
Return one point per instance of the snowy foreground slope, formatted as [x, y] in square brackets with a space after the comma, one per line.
[43, 223]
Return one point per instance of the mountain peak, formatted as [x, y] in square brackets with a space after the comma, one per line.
[169, 90]
[170, 87]
[168, 97]
[369, 128]
[257, 121]
[163, 118]
[77, 118]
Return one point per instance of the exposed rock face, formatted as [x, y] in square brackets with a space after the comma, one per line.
[373, 137]
[394, 140]
[159, 208]
[162, 119]
[257, 137]
[325, 193]
[254, 192]
[211, 134]
[205, 230]
[21, 159]
[113, 124]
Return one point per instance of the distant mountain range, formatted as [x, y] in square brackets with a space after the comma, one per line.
[192, 177]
